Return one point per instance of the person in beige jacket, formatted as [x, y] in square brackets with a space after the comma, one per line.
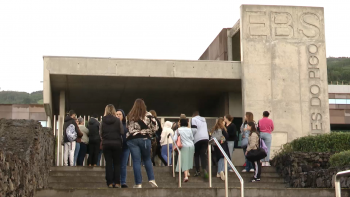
[253, 144]
[164, 143]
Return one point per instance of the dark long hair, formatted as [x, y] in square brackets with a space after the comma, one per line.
[138, 111]
[253, 128]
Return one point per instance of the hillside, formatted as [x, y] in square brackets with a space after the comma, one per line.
[11, 97]
[338, 70]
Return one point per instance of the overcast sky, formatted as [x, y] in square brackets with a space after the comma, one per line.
[152, 29]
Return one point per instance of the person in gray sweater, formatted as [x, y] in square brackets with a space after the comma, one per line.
[201, 138]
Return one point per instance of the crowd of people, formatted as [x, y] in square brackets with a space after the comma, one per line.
[140, 134]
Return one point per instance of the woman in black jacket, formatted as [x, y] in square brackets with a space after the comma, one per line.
[231, 130]
[94, 141]
[111, 131]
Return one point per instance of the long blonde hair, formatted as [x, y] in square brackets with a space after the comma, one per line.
[110, 110]
[219, 125]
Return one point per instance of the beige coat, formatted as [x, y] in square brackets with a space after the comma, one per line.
[253, 142]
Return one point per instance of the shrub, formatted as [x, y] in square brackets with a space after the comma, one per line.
[340, 159]
[331, 142]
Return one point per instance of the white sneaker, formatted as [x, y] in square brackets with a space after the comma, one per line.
[263, 164]
[251, 170]
[218, 175]
[153, 183]
[137, 186]
[222, 176]
[267, 164]
[244, 170]
[230, 170]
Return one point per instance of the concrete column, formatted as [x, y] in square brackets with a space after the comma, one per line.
[284, 69]
[229, 46]
[62, 110]
[48, 122]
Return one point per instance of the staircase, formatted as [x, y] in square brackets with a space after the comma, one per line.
[90, 182]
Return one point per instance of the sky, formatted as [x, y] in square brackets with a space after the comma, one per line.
[152, 29]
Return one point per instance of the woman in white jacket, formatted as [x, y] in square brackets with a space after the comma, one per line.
[163, 141]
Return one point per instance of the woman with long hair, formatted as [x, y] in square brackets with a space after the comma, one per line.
[157, 147]
[142, 125]
[165, 139]
[232, 133]
[111, 131]
[187, 150]
[220, 133]
[253, 144]
[245, 134]
[125, 149]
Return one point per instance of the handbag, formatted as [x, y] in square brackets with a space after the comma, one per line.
[178, 141]
[257, 154]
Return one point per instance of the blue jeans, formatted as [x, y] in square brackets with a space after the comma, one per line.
[124, 163]
[249, 165]
[141, 147]
[99, 158]
[76, 153]
[221, 165]
[165, 154]
[267, 139]
[231, 145]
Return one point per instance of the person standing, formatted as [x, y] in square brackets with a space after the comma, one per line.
[266, 127]
[70, 134]
[125, 149]
[232, 133]
[253, 144]
[245, 133]
[157, 151]
[201, 138]
[165, 139]
[187, 150]
[77, 145]
[111, 131]
[141, 125]
[220, 133]
[84, 142]
[94, 141]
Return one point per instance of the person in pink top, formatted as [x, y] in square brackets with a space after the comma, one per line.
[266, 127]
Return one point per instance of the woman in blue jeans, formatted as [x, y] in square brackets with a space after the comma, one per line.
[125, 149]
[142, 125]
[244, 143]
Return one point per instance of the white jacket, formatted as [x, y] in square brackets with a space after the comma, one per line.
[166, 131]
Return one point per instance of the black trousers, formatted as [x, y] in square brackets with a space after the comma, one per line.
[158, 153]
[200, 149]
[94, 149]
[257, 168]
[112, 155]
[82, 153]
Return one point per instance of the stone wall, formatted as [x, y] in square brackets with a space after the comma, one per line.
[308, 170]
[26, 155]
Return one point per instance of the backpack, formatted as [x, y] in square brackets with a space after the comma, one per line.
[71, 133]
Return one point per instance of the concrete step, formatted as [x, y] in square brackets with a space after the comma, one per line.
[156, 174]
[189, 192]
[167, 178]
[155, 169]
[162, 185]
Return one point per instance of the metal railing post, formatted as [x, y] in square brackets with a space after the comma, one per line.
[167, 142]
[226, 177]
[179, 160]
[337, 185]
[174, 163]
[209, 165]
[227, 160]
[180, 169]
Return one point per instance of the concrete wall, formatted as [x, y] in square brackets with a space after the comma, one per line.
[284, 68]
[217, 50]
[23, 111]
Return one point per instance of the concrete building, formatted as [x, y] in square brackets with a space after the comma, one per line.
[24, 111]
[339, 107]
[273, 58]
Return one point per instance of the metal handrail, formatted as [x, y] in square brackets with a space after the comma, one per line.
[227, 160]
[337, 181]
[179, 157]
